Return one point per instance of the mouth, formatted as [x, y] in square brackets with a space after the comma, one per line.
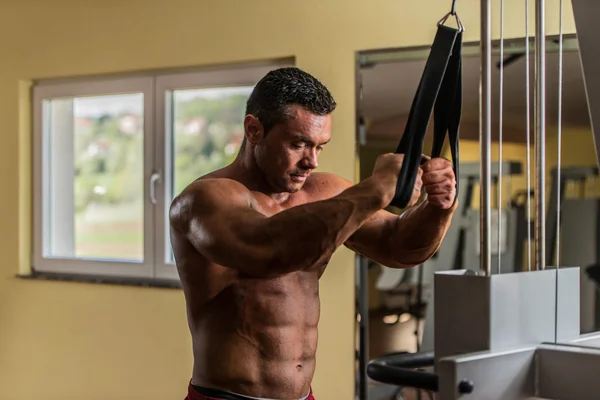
[299, 177]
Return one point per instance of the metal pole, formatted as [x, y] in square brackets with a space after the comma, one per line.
[485, 138]
[528, 134]
[540, 130]
[363, 337]
[558, 163]
[500, 138]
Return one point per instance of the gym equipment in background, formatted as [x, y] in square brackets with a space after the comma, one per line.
[514, 335]
[579, 243]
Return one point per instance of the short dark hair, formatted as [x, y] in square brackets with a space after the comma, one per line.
[271, 97]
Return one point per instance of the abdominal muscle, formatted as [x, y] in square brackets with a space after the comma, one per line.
[259, 337]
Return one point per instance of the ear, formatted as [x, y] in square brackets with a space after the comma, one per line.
[253, 129]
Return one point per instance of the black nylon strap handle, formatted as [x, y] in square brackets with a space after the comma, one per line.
[448, 108]
[440, 86]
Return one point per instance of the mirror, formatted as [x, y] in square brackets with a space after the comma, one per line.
[394, 307]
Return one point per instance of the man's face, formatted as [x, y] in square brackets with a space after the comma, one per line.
[289, 152]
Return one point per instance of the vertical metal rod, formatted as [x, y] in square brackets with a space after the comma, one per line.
[559, 127]
[540, 130]
[485, 138]
[558, 164]
[363, 336]
[528, 132]
[500, 120]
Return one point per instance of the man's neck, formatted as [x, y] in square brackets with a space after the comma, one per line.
[244, 167]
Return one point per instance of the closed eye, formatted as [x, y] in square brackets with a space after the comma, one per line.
[302, 144]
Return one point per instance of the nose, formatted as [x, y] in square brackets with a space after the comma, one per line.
[310, 159]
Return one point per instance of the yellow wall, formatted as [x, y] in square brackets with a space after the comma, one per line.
[74, 341]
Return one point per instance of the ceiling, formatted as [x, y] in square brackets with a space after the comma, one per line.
[388, 89]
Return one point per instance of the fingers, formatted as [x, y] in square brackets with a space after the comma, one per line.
[436, 164]
[414, 199]
[439, 182]
[435, 177]
[430, 178]
[416, 194]
[437, 170]
[440, 188]
[419, 180]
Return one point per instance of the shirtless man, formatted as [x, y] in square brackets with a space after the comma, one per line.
[251, 241]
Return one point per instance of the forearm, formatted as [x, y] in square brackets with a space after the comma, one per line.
[419, 232]
[309, 234]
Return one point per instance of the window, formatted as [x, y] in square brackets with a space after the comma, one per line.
[110, 156]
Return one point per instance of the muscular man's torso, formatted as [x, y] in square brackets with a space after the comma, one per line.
[252, 336]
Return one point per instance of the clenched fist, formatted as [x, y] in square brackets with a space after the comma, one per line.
[439, 182]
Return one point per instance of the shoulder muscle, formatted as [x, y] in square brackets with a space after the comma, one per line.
[205, 197]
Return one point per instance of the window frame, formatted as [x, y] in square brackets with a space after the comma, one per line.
[88, 266]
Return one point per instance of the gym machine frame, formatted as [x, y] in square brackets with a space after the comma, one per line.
[512, 335]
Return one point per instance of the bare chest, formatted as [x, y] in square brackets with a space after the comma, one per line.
[270, 207]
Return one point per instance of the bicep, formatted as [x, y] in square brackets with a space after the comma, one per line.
[225, 232]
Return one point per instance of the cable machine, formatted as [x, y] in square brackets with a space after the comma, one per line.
[509, 335]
